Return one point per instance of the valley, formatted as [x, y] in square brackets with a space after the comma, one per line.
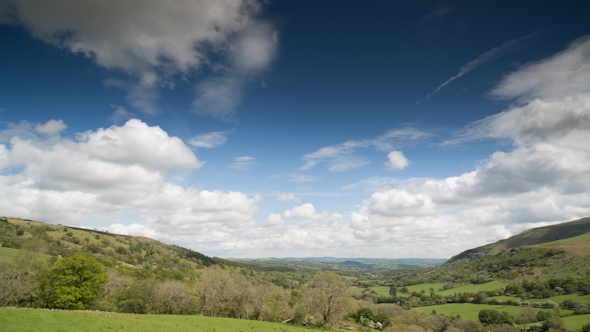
[528, 286]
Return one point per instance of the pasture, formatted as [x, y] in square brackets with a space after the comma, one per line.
[576, 322]
[466, 310]
[55, 320]
[488, 286]
[7, 254]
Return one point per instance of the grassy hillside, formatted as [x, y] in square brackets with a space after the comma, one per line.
[534, 236]
[14, 320]
[135, 252]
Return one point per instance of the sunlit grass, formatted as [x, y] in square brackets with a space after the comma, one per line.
[55, 320]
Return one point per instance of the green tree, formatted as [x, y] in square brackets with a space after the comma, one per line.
[554, 323]
[73, 283]
[489, 317]
[393, 291]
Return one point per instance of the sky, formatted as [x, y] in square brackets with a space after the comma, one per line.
[246, 129]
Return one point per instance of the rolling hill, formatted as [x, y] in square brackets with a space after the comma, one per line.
[534, 236]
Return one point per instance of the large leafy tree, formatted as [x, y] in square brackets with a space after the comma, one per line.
[74, 283]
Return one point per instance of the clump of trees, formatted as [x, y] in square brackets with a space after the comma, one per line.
[73, 283]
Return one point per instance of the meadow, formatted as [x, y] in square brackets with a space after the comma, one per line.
[466, 310]
[91, 321]
[7, 254]
[576, 322]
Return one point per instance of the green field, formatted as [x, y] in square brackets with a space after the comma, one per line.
[7, 254]
[466, 310]
[488, 286]
[425, 287]
[55, 320]
[576, 322]
[558, 298]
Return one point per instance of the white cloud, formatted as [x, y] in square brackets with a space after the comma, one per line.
[341, 157]
[143, 99]
[308, 215]
[218, 97]
[51, 127]
[120, 115]
[154, 40]
[274, 219]
[139, 36]
[210, 140]
[137, 143]
[302, 212]
[567, 73]
[242, 162]
[397, 160]
[543, 179]
[252, 52]
[288, 197]
[114, 175]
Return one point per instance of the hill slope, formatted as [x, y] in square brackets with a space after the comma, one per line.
[533, 236]
[135, 252]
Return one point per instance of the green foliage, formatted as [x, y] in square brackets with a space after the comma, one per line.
[554, 323]
[73, 283]
[364, 313]
[139, 298]
[491, 317]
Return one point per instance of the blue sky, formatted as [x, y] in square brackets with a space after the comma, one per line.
[297, 128]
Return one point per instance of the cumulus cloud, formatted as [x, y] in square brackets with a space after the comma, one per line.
[288, 197]
[544, 178]
[308, 214]
[397, 161]
[51, 127]
[210, 140]
[154, 40]
[341, 157]
[114, 175]
[135, 143]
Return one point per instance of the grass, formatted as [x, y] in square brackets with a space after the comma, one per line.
[466, 310]
[425, 287]
[558, 298]
[576, 322]
[7, 254]
[54, 320]
[488, 286]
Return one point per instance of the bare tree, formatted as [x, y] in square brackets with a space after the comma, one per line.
[239, 295]
[211, 286]
[279, 307]
[327, 296]
[16, 284]
[260, 295]
[175, 296]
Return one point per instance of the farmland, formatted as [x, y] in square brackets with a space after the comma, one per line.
[14, 320]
